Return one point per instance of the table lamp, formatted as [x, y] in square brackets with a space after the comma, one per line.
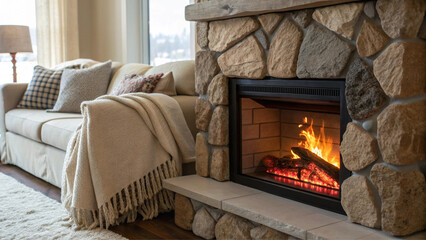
[13, 39]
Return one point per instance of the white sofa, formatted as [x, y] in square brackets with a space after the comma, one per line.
[36, 140]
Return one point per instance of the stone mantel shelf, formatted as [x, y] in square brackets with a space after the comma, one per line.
[224, 9]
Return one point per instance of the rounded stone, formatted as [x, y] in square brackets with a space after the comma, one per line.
[219, 125]
[270, 21]
[282, 59]
[400, 69]
[359, 203]
[202, 29]
[246, 60]
[225, 33]
[217, 92]
[303, 17]
[231, 227]
[340, 18]
[184, 212]
[203, 113]
[364, 96]
[201, 156]
[203, 225]
[403, 195]
[322, 54]
[219, 169]
[401, 18]
[358, 148]
[371, 39]
[401, 133]
[205, 69]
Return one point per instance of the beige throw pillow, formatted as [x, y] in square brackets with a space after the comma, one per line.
[166, 85]
[82, 85]
[183, 74]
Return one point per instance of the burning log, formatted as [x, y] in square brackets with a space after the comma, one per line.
[309, 167]
[307, 155]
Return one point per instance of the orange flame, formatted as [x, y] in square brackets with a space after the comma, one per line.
[320, 145]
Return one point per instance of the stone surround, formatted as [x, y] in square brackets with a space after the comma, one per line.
[379, 48]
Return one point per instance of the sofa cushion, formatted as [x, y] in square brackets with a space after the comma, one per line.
[58, 132]
[183, 74]
[130, 68]
[28, 122]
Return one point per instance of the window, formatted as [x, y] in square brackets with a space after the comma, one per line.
[19, 12]
[171, 37]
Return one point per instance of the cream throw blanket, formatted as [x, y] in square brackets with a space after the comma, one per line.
[117, 159]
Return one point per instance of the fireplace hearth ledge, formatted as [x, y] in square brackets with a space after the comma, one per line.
[291, 217]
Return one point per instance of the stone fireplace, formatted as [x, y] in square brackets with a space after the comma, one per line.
[377, 48]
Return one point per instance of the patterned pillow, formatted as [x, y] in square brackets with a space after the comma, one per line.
[166, 85]
[137, 83]
[82, 85]
[43, 90]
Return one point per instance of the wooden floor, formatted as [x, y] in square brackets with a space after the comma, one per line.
[162, 227]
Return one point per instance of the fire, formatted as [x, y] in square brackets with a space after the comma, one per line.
[307, 186]
[305, 176]
[317, 165]
[320, 145]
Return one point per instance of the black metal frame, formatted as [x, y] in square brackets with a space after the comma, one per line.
[314, 91]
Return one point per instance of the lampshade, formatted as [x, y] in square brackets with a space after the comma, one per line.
[14, 38]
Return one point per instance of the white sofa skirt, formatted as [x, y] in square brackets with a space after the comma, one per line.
[45, 161]
[39, 159]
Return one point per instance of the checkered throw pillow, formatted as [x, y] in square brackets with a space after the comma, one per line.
[43, 90]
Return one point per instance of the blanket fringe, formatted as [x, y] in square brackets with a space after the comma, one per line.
[145, 196]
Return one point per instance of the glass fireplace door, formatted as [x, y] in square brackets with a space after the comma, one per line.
[285, 137]
[299, 148]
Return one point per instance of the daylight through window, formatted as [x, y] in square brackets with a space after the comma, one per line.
[170, 35]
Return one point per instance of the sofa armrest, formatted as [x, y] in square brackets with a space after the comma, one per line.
[10, 95]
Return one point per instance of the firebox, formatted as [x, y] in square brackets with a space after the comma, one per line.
[285, 137]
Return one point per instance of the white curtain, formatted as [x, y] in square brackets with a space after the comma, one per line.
[57, 31]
